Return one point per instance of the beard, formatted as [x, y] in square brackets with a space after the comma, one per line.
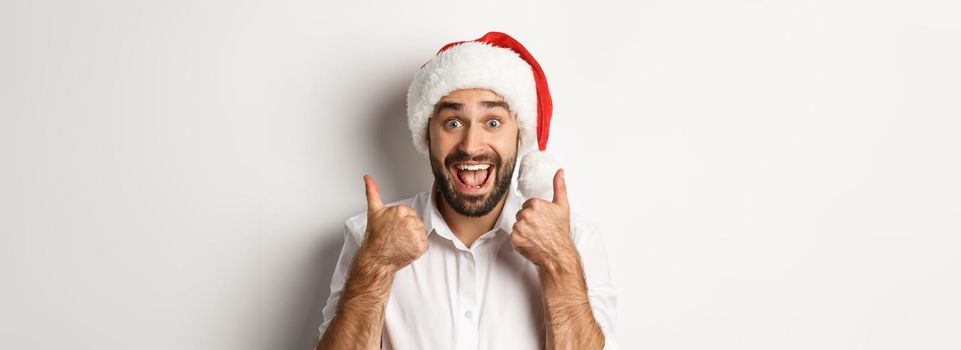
[472, 205]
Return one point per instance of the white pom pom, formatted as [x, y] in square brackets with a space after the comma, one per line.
[536, 177]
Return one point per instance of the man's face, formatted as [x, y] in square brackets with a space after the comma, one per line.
[473, 127]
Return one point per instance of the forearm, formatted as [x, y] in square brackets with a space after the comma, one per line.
[359, 320]
[570, 321]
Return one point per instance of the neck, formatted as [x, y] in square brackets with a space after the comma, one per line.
[467, 228]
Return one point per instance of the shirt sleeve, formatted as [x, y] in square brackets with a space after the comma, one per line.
[600, 287]
[339, 278]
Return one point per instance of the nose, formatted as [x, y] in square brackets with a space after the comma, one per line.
[473, 141]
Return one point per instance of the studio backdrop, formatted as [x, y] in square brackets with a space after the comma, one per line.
[765, 174]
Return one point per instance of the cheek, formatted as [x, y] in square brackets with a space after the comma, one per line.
[440, 145]
[434, 141]
[507, 145]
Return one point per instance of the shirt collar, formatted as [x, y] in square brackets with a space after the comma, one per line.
[434, 221]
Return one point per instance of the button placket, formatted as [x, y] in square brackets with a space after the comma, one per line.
[468, 326]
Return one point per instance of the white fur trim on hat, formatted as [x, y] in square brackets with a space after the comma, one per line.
[536, 177]
[474, 65]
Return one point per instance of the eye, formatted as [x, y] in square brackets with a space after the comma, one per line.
[452, 123]
[494, 123]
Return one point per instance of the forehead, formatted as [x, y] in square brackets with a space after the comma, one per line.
[472, 94]
[483, 98]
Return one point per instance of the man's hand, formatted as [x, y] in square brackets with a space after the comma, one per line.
[542, 233]
[395, 235]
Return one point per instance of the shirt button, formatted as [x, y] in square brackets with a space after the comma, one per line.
[467, 314]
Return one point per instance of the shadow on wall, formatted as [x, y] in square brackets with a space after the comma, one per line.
[407, 173]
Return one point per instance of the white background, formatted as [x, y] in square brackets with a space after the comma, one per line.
[768, 174]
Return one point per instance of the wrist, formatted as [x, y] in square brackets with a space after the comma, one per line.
[563, 275]
[563, 264]
[368, 263]
[368, 283]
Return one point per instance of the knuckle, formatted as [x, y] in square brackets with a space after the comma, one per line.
[417, 222]
[526, 214]
[406, 209]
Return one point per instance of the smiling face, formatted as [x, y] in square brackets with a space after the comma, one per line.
[473, 139]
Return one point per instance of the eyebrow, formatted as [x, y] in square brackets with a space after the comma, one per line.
[447, 105]
[495, 104]
[459, 106]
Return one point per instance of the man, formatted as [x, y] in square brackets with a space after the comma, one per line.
[472, 264]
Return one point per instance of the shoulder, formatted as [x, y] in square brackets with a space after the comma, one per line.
[356, 225]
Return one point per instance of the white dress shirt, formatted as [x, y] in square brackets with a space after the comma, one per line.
[484, 297]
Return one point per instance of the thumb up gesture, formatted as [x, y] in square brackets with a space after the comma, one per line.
[395, 235]
[542, 233]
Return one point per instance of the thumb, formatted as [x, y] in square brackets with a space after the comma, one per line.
[560, 189]
[373, 195]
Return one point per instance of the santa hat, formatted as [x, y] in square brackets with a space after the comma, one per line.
[497, 62]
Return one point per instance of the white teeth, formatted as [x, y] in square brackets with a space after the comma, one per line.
[473, 167]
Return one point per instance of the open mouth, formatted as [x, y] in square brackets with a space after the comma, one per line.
[473, 178]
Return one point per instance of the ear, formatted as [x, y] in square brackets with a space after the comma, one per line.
[520, 140]
[427, 131]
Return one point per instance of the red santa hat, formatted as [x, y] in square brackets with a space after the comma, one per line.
[497, 62]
